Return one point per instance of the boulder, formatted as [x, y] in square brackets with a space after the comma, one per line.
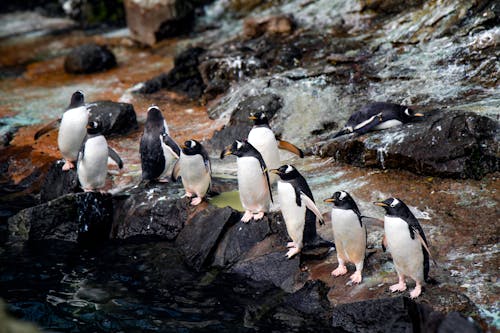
[447, 144]
[149, 210]
[151, 21]
[280, 25]
[76, 217]
[201, 235]
[116, 118]
[58, 182]
[89, 58]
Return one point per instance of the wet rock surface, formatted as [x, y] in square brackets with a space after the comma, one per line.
[58, 182]
[89, 58]
[116, 118]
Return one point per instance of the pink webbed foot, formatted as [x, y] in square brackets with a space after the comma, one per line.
[187, 195]
[258, 216]
[292, 251]
[401, 286]
[196, 201]
[341, 270]
[291, 244]
[68, 165]
[416, 292]
[247, 216]
[356, 277]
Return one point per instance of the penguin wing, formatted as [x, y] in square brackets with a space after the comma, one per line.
[290, 147]
[47, 128]
[171, 145]
[176, 171]
[312, 207]
[264, 171]
[115, 157]
[206, 160]
[367, 125]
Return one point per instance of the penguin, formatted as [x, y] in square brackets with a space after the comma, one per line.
[349, 234]
[263, 139]
[407, 243]
[253, 179]
[378, 116]
[157, 148]
[92, 164]
[297, 206]
[194, 167]
[72, 130]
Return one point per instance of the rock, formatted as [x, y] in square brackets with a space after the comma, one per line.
[273, 25]
[116, 118]
[311, 299]
[199, 238]
[184, 78]
[151, 21]
[6, 134]
[149, 210]
[239, 125]
[71, 218]
[92, 12]
[447, 144]
[58, 182]
[455, 322]
[89, 58]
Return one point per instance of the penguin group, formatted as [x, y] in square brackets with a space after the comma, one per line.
[259, 169]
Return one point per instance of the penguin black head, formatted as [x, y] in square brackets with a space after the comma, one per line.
[94, 127]
[191, 147]
[259, 118]
[342, 200]
[408, 114]
[77, 99]
[239, 149]
[286, 172]
[395, 207]
[154, 115]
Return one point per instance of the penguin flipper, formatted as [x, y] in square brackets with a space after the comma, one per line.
[384, 243]
[290, 147]
[312, 207]
[176, 171]
[343, 131]
[367, 125]
[424, 245]
[115, 157]
[47, 128]
[171, 145]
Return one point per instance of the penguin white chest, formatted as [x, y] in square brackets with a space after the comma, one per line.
[349, 235]
[195, 177]
[254, 192]
[93, 167]
[72, 132]
[388, 124]
[263, 139]
[406, 252]
[293, 214]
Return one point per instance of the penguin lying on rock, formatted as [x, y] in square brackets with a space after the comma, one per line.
[378, 116]
[158, 150]
[71, 131]
[407, 243]
[194, 167]
[349, 234]
[262, 137]
[92, 165]
[298, 208]
[253, 179]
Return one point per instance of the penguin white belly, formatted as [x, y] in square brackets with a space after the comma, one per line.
[388, 124]
[72, 132]
[195, 177]
[294, 215]
[263, 139]
[254, 192]
[92, 169]
[406, 252]
[349, 236]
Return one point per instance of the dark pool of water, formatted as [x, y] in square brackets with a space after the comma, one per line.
[135, 287]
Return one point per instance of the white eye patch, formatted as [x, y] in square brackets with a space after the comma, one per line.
[407, 112]
[262, 116]
[394, 203]
[289, 169]
[342, 195]
[238, 144]
[193, 143]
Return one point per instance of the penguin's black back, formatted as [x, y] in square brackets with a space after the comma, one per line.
[389, 111]
[300, 185]
[152, 157]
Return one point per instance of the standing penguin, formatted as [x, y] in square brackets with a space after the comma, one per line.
[193, 166]
[93, 158]
[158, 150]
[349, 234]
[378, 116]
[253, 179]
[407, 243]
[263, 139]
[297, 206]
[71, 131]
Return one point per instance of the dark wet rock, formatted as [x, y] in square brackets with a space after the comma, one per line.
[116, 118]
[448, 144]
[152, 21]
[239, 125]
[149, 210]
[455, 322]
[72, 218]
[311, 299]
[184, 77]
[7, 135]
[389, 6]
[201, 235]
[89, 58]
[58, 182]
